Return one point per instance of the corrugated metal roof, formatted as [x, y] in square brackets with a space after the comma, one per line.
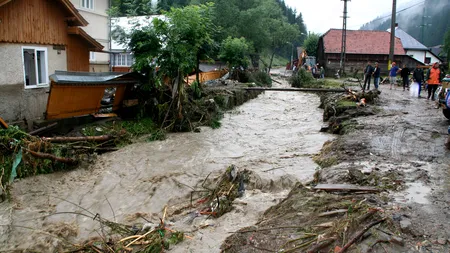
[87, 77]
[408, 41]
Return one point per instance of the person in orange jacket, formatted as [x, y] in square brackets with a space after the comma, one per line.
[434, 79]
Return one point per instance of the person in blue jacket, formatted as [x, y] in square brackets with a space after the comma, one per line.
[393, 75]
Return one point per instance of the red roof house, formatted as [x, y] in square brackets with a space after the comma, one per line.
[361, 46]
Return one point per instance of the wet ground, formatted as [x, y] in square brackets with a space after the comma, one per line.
[274, 136]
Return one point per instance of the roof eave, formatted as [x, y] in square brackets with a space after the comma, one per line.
[96, 46]
[77, 17]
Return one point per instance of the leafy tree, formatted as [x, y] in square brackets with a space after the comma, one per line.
[173, 44]
[121, 8]
[234, 51]
[281, 34]
[311, 43]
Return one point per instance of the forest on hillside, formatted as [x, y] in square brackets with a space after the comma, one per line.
[426, 21]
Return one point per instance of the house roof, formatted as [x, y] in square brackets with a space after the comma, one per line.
[68, 77]
[408, 41]
[94, 45]
[128, 24]
[361, 42]
[76, 18]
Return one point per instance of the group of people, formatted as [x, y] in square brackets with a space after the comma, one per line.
[432, 78]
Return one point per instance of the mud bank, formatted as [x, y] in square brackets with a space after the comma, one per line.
[396, 145]
[274, 136]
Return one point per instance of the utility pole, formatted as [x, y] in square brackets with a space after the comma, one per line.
[392, 44]
[344, 37]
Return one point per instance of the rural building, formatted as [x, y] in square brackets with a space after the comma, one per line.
[415, 49]
[95, 13]
[362, 46]
[38, 37]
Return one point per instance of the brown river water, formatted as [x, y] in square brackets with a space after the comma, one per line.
[273, 135]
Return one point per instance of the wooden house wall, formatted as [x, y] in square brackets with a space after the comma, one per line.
[77, 54]
[33, 21]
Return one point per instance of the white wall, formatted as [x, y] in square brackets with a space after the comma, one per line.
[433, 58]
[18, 103]
[98, 27]
[417, 54]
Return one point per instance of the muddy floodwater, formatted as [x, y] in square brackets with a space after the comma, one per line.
[274, 136]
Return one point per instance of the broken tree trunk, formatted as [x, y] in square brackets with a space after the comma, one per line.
[52, 157]
[296, 89]
[73, 139]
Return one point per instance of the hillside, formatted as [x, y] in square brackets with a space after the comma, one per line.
[426, 21]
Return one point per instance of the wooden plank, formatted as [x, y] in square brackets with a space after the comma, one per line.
[345, 187]
[295, 89]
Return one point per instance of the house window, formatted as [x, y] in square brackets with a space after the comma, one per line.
[91, 56]
[427, 60]
[35, 65]
[88, 4]
[123, 60]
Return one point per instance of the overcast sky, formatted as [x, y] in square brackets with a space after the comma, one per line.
[321, 15]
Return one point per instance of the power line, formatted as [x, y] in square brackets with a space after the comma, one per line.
[390, 15]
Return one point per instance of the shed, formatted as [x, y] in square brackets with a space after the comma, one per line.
[83, 93]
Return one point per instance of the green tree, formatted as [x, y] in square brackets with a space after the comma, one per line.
[173, 44]
[281, 34]
[234, 51]
[311, 43]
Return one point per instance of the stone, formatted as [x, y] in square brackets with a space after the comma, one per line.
[405, 225]
[442, 240]
[397, 240]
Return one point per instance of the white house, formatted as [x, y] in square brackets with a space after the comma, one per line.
[95, 12]
[122, 59]
[414, 48]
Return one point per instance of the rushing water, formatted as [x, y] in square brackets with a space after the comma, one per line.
[273, 135]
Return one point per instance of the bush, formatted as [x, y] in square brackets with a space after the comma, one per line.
[301, 79]
[260, 79]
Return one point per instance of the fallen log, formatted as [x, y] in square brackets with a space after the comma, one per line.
[295, 89]
[95, 148]
[359, 234]
[52, 157]
[73, 139]
[42, 129]
[345, 187]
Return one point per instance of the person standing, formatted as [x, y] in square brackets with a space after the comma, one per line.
[434, 78]
[393, 74]
[376, 75]
[418, 77]
[368, 71]
[404, 73]
[322, 72]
